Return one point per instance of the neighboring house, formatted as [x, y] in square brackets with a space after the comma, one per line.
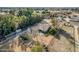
[67, 19]
[60, 21]
[74, 19]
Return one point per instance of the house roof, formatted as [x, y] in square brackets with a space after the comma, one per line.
[75, 19]
[44, 26]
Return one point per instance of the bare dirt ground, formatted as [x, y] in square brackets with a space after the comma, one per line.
[63, 43]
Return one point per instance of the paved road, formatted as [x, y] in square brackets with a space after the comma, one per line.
[12, 35]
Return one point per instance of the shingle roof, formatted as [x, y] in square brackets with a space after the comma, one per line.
[44, 26]
[41, 26]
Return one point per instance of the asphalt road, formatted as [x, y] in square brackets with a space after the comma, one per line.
[12, 35]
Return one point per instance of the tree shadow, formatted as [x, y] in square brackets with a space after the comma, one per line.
[68, 36]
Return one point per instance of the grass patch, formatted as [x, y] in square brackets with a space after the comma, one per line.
[37, 48]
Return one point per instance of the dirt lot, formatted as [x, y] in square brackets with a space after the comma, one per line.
[63, 41]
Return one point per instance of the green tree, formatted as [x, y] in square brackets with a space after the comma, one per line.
[27, 12]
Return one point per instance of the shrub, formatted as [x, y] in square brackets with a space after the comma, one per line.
[37, 48]
[51, 31]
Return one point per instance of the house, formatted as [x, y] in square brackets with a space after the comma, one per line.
[74, 19]
[43, 26]
[60, 21]
[67, 19]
